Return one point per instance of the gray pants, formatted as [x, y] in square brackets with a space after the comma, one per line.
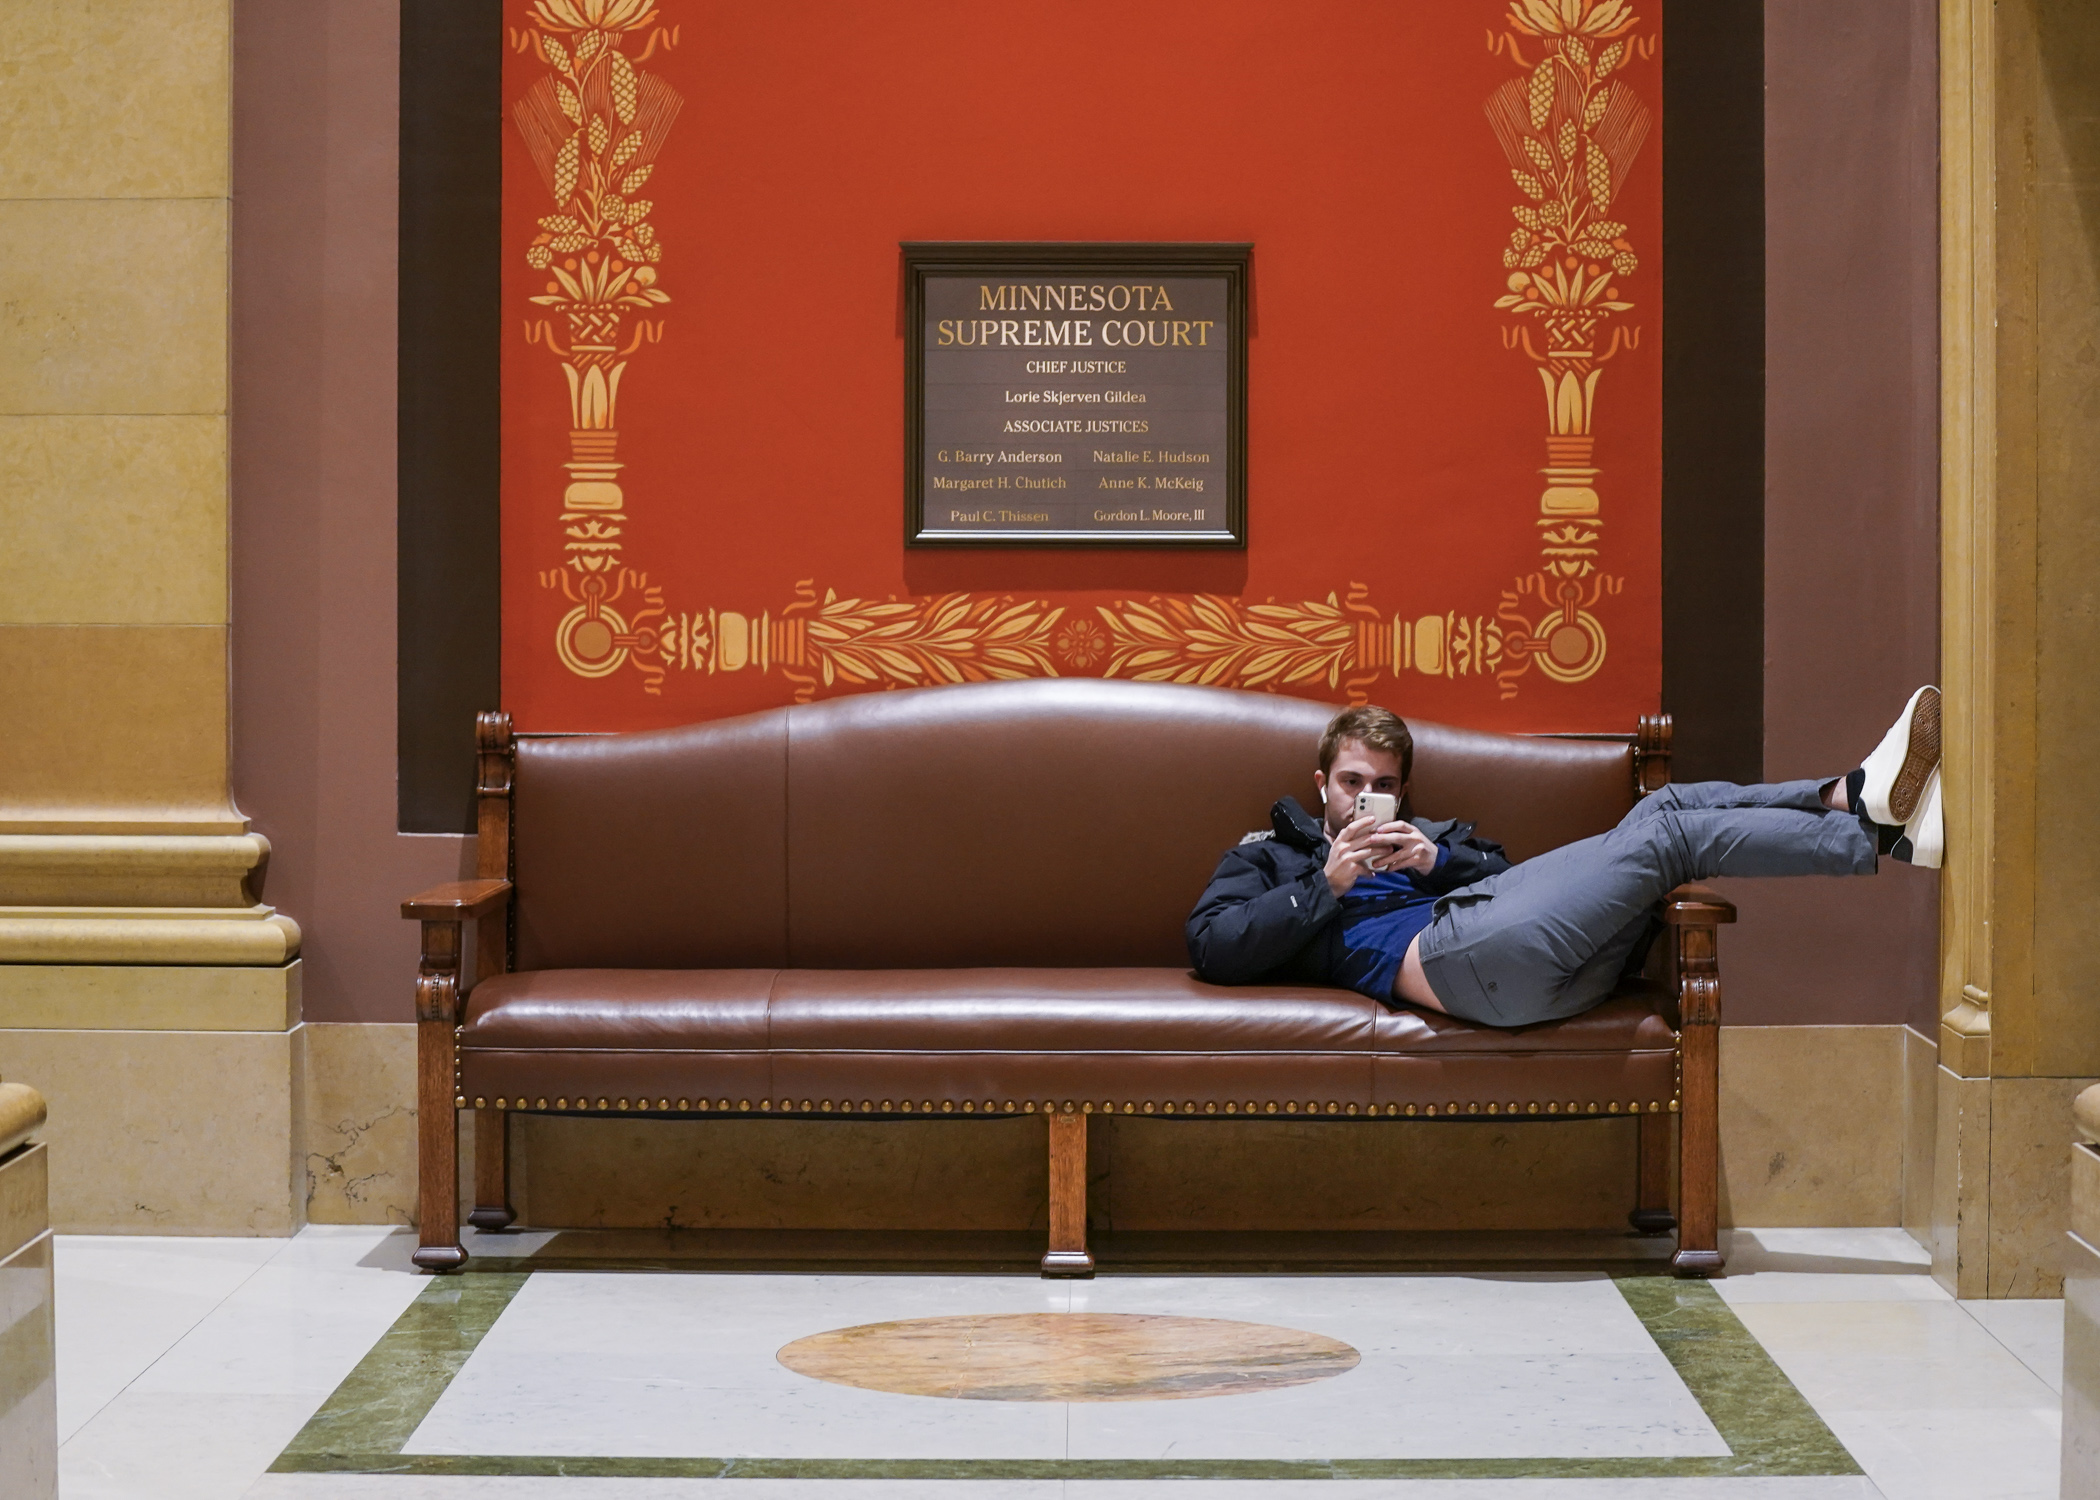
[1551, 937]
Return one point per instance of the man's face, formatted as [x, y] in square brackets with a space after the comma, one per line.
[1356, 768]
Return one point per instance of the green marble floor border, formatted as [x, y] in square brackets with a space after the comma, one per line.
[1769, 1427]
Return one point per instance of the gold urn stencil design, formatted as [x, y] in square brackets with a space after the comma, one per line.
[1571, 128]
[595, 124]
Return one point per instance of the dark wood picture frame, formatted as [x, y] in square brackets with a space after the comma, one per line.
[1230, 261]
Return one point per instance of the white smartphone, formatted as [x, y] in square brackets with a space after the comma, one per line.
[1383, 806]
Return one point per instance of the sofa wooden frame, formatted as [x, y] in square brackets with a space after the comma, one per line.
[1690, 970]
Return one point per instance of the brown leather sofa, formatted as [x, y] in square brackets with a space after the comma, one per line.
[969, 900]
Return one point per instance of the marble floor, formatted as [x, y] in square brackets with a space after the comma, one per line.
[1826, 1364]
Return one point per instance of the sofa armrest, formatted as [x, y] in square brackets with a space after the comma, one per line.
[457, 900]
[1696, 906]
[1693, 914]
[443, 910]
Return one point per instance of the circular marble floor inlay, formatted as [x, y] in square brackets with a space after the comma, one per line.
[1068, 1357]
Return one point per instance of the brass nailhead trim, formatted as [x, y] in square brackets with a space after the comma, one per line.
[480, 1103]
[460, 1102]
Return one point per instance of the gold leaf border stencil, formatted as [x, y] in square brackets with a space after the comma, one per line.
[1570, 126]
[595, 124]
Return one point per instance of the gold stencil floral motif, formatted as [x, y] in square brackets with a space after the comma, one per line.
[819, 643]
[593, 125]
[1571, 129]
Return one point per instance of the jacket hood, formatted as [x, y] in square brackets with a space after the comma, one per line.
[1297, 827]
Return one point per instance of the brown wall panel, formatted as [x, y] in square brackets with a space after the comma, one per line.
[315, 103]
[1852, 483]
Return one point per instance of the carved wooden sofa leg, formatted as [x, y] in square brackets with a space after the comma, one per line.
[1651, 1203]
[437, 1117]
[443, 911]
[1068, 1255]
[1694, 916]
[492, 1209]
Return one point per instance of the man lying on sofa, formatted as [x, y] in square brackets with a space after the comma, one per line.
[1428, 913]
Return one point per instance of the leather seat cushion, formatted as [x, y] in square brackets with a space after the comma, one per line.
[1128, 1039]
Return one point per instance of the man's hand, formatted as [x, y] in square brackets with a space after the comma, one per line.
[1412, 849]
[1365, 846]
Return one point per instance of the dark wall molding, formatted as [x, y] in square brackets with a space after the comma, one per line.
[1714, 386]
[450, 602]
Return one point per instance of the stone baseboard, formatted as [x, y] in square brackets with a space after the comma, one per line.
[168, 1132]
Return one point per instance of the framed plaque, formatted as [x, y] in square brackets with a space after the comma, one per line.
[1075, 395]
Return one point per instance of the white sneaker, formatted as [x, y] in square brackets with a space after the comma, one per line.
[1924, 839]
[1904, 761]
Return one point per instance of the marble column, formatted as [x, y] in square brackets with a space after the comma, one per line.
[142, 979]
[2020, 543]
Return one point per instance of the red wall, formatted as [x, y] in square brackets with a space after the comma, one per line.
[1394, 441]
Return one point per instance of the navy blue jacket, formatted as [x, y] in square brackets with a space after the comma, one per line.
[1268, 916]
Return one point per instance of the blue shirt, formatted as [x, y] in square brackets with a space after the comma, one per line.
[1381, 915]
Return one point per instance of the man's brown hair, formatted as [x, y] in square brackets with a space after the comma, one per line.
[1375, 729]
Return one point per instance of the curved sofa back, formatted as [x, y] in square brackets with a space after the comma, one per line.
[1058, 822]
